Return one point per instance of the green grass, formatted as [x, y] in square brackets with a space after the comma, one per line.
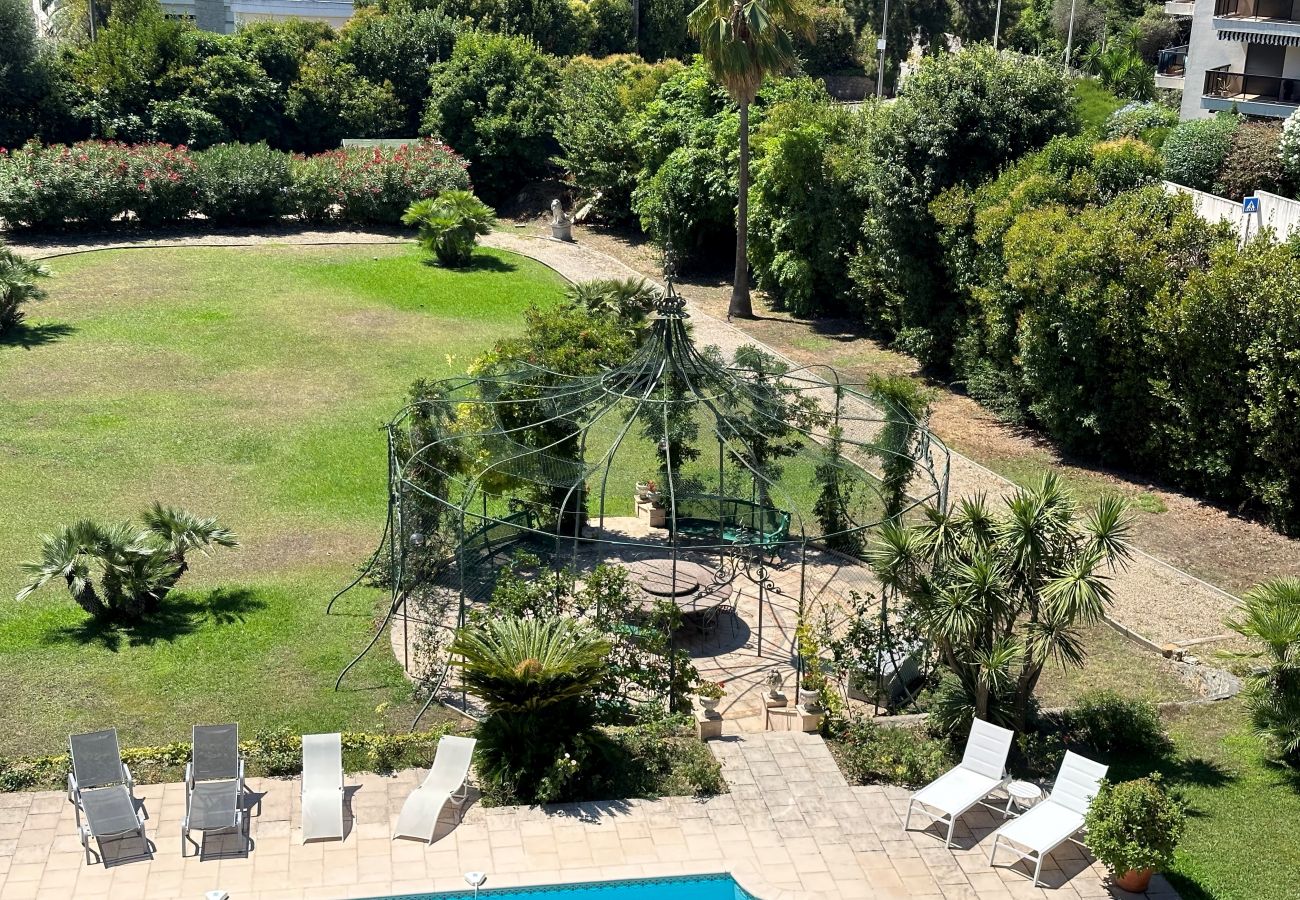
[1096, 103]
[1241, 843]
[250, 384]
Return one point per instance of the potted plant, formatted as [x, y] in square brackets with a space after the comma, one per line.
[710, 694]
[1133, 827]
[810, 691]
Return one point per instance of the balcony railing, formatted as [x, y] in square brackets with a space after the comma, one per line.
[1239, 86]
[1277, 10]
[1172, 61]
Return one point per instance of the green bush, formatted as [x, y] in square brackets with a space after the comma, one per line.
[1195, 150]
[1136, 119]
[803, 208]
[663, 29]
[242, 184]
[1107, 726]
[330, 101]
[960, 117]
[494, 102]
[874, 754]
[275, 753]
[1253, 162]
[831, 46]
[449, 225]
[611, 26]
[1289, 149]
[1135, 825]
[1269, 619]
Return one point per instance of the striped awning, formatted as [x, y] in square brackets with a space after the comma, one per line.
[1254, 37]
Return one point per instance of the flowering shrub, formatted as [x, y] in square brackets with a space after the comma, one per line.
[95, 184]
[242, 183]
[84, 185]
[375, 185]
[160, 185]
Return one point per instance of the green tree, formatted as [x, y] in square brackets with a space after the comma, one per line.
[25, 75]
[399, 48]
[449, 225]
[494, 102]
[742, 42]
[999, 595]
[331, 101]
[19, 285]
[1269, 619]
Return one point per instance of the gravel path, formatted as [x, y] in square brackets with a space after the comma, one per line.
[1153, 599]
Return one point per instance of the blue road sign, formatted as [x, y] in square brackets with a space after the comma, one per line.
[1250, 204]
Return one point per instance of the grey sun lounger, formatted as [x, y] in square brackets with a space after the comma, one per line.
[214, 785]
[101, 790]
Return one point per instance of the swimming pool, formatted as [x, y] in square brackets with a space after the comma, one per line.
[694, 887]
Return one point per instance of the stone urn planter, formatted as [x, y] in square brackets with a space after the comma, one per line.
[810, 700]
[710, 704]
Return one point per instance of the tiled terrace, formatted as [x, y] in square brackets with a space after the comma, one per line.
[790, 828]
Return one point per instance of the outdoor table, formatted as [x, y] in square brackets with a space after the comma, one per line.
[693, 588]
[1024, 795]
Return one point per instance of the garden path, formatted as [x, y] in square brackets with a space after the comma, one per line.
[791, 828]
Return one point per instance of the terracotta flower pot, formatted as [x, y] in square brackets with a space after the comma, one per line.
[1135, 880]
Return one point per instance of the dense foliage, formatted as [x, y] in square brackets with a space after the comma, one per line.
[1135, 825]
[96, 184]
[1197, 148]
[19, 285]
[1269, 619]
[1000, 594]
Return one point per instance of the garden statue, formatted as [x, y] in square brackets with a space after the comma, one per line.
[775, 681]
[561, 224]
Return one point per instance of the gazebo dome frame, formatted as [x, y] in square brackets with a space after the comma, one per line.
[524, 456]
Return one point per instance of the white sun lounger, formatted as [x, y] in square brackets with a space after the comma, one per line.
[981, 772]
[447, 782]
[1049, 824]
[322, 787]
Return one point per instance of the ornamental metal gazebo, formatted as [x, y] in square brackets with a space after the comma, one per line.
[681, 455]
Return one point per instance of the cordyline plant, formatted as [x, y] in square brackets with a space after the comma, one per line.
[120, 571]
[1000, 595]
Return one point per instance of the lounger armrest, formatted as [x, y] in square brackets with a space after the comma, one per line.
[72, 789]
[241, 773]
[126, 775]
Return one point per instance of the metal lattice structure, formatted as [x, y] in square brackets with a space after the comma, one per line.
[753, 461]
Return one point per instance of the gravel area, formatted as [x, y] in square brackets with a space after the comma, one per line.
[1155, 600]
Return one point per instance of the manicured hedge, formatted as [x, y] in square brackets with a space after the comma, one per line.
[103, 184]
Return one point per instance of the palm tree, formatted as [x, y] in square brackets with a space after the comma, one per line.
[742, 41]
[120, 570]
[180, 531]
[537, 678]
[1000, 595]
[1269, 617]
[18, 285]
[449, 224]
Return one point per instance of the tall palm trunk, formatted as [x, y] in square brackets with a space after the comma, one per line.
[740, 306]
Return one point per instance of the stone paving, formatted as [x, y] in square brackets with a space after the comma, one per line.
[791, 829]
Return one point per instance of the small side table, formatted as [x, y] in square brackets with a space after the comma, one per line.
[1024, 795]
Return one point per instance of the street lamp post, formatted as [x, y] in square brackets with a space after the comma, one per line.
[880, 45]
[997, 24]
[1069, 37]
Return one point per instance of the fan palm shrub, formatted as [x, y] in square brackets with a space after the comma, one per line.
[625, 300]
[449, 225]
[1269, 618]
[19, 285]
[120, 571]
[999, 595]
[537, 678]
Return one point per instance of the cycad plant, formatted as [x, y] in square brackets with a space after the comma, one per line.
[449, 224]
[537, 678]
[1269, 618]
[999, 595]
[19, 284]
[627, 301]
[121, 571]
[742, 41]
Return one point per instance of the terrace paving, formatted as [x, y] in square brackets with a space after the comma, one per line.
[791, 829]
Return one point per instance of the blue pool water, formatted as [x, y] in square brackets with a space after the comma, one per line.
[692, 887]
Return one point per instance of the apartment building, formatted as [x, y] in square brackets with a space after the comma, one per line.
[1242, 54]
[223, 16]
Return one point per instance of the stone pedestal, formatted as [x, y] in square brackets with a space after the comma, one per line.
[657, 515]
[708, 725]
[562, 231]
[793, 718]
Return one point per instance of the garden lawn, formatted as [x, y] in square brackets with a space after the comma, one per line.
[249, 384]
[1242, 842]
